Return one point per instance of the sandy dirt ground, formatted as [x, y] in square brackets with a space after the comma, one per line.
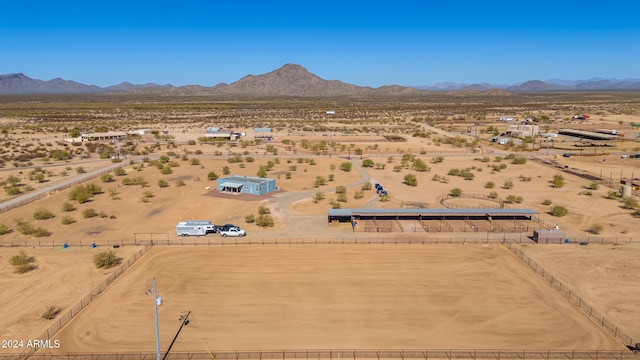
[302, 297]
[606, 276]
[316, 296]
[61, 279]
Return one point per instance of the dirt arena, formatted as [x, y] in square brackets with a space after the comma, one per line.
[347, 296]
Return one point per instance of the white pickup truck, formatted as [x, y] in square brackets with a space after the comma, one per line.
[233, 232]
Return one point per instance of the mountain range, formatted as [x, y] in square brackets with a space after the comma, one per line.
[293, 80]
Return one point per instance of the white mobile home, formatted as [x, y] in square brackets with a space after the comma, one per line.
[194, 228]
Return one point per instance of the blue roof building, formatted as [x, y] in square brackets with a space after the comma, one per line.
[240, 184]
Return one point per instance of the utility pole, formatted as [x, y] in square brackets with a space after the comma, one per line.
[156, 302]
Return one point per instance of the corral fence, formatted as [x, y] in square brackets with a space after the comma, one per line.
[468, 354]
[598, 318]
[166, 239]
[216, 240]
[74, 310]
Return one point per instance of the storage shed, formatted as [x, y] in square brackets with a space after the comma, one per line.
[239, 184]
[553, 236]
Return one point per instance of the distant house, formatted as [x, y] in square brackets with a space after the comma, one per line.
[110, 136]
[262, 133]
[238, 184]
[522, 131]
[216, 133]
[140, 132]
[330, 112]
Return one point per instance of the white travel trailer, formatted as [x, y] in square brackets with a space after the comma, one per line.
[194, 228]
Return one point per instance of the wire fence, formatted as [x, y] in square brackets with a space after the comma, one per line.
[339, 354]
[598, 318]
[31, 197]
[47, 335]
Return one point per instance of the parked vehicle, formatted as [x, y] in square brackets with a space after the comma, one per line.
[233, 232]
[225, 227]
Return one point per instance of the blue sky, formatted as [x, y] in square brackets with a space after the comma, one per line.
[370, 43]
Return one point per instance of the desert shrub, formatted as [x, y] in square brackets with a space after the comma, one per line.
[4, 229]
[135, 181]
[612, 194]
[456, 192]
[524, 178]
[519, 160]
[508, 184]
[358, 194]
[250, 219]
[546, 202]
[514, 199]
[67, 220]
[194, 161]
[342, 197]
[630, 202]
[212, 175]
[319, 196]
[593, 186]
[366, 186]
[22, 263]
[42, 214]
[119, 172]
[264, 221]
[166, 170]
[180, 182]
[107, 178]
[595, 229]
[263, 210]
[341, 189]
[320, 181]
[636, 214]
[558, 211]
[410, 179]
[558, 181]
[89, 213]
[80, 170]
[419, 165]
[489, 185]
[331, 177]
[106, 259]
[346, 166]
[50, 313]
[20, 259]
[437, 160]
[225, 170]
[147, 194]
[12, 190]
[368, 163]
[493, 195]
[162, 183]
[262, 172]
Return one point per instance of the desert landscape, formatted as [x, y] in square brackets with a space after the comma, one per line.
[64, 202]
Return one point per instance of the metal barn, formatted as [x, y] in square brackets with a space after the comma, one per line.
[239, 184]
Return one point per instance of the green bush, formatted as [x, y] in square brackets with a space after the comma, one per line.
[490, 185]
[4, 229]
[595, 229]
[546, 202]
[22, 263]
[410, 179]
[106, 259]
[264, 221]
[67, 220]
[43, 214]
[249, 219]
[558, 181]
[107, 178]
[319, 196]
[367, 163]
[263, 210]
[456, 192]
[51, 313]
[346, 166]
[163, 183]
[89, 213]
[366, 186]
[558, 211]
